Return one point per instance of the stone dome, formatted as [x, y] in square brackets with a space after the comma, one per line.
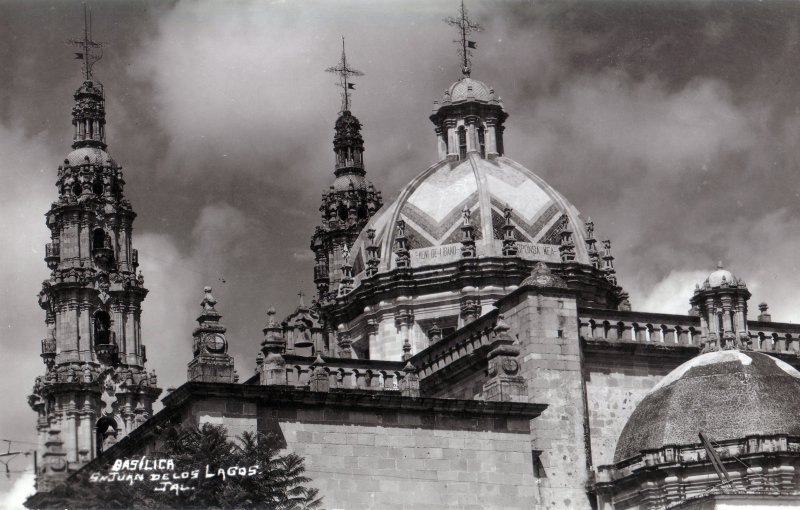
[344, 182]
[432, 205]
[467, 89]
[96, 157]
[721, 274]
[726, 394]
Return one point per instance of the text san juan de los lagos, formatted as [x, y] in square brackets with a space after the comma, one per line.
[165, 475]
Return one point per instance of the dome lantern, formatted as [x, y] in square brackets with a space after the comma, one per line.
[469, 118]
[722, 305]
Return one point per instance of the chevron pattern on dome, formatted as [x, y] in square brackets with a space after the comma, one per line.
[437, 231]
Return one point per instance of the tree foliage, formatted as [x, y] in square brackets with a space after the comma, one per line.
[278, 482]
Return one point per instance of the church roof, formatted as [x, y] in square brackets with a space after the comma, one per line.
[432, 207]
[726, 394]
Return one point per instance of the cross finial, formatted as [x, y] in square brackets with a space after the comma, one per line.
[465, 27]
[302, 298]
[91, 51]
[345, 72]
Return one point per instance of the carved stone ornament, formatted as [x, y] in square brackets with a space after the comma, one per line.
[510, 366]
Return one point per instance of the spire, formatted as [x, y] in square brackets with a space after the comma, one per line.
[88, 114]
[350, 202]
[465, 27]
[345, 72]
[90, 51]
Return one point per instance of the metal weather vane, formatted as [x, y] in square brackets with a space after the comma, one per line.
[465, 27]
[91, 51]
[345, 72]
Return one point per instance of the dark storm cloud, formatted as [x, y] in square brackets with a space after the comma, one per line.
[673, 124]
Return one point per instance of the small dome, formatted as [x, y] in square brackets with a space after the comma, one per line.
[725, 394]
[343, 183]
[468, 89]
[96, 157]
[716, 278]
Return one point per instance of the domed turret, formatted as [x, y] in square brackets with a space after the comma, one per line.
[721, 304]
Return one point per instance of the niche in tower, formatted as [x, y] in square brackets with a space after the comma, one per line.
[105, 434]
[462, 142]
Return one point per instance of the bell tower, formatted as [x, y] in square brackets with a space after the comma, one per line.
[350, 201]
[95, 389]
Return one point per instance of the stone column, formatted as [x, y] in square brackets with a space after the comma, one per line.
[490, 139]
[452, 136]
[472, 135]
[441, 142]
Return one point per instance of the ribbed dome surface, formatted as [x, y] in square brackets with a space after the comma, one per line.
[725, 394]
[467, 88]
[96, 157]
[432, 205]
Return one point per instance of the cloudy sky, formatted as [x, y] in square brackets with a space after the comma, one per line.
[674, 125]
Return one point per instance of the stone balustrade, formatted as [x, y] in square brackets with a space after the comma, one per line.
[351, 374]
[684, 330]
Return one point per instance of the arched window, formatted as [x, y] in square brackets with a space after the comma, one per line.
[105, 434]
[102, 328]
[98, 238]
[462, 143]
[482, 141]
[499, 140]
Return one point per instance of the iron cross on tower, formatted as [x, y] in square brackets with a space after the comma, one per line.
[91, 51]
[345, 72]
[465, 27]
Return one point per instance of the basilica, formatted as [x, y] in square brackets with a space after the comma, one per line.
[469, 344]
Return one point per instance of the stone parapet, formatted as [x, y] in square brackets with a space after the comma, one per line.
[668, 330]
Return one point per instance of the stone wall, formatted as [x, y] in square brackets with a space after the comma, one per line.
[394, 452]
[614, 387]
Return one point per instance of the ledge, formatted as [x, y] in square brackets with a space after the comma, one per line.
[347, 399]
